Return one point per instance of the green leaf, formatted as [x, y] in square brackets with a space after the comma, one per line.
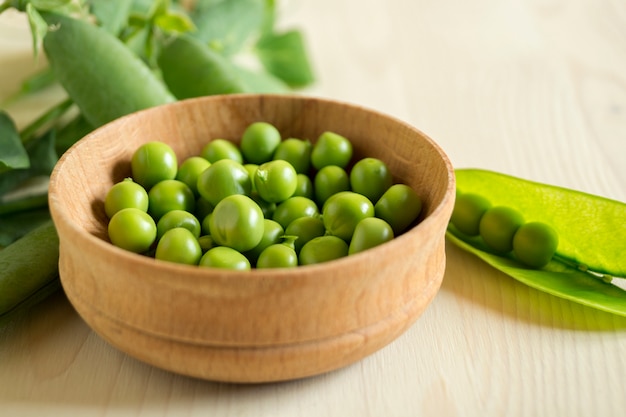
[592, 229]
[173, 22]
[49, 4]
[111, 15]
[38, 27]
[556, 278]
[260, 81]
[12, 152]
[285, 56]
[230, 24]
[16, 225]
[43, 158]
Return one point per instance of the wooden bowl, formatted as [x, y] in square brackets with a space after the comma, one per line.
[259, 325]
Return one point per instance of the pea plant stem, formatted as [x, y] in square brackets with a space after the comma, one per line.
[29, 133]
[23, 204]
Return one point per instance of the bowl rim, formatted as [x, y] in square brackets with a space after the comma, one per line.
[58, 211]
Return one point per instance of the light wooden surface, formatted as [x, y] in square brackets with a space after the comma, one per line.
[533, 88]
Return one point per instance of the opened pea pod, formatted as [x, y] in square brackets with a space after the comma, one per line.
[561, 241]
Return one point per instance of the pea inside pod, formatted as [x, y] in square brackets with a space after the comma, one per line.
[591, 235]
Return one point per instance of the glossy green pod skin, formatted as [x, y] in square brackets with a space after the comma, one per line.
[191, 68]
[103, 77]
[28, 270]
[591, 231]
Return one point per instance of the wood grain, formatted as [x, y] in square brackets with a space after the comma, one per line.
[534, 88]
[261, 325]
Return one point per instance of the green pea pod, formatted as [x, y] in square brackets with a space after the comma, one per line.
[28, 269]
[103, 77]
[191, 68]
[591, 229]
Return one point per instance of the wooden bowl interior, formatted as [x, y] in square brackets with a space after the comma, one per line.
[224, 309]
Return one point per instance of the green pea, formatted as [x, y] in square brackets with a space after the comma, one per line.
[206, 242]
[370, 177]
[535, 243]
[219, 149]
[153, 162]
[272, 233]
[277, 256]
[225, 258]
[275, 181]
[178, 218]
[498, 226]
[237, 222]
[266, 207]
[170, 195]
[328, 181]
[297, 152]
[304, 187]
[305, 229]
[125, 194]
[331, 149]
[370, 232]
[293, 208]
[132, 229]
[343, 211]
[203, 208]
[251, 168]
[400, 206]
[468, 210]
[179, 245]
[259, 141]
[189, 171]
[323, 249]
[223, 178]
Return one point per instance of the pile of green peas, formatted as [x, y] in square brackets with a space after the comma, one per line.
[504, 230]
[267, 203]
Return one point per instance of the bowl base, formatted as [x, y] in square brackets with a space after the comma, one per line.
[258, 364]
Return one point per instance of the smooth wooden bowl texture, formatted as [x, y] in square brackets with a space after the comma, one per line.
[260, 325]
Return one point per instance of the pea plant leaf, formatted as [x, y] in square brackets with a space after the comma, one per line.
[111, 15]
[50, 4]
[12, 152]
[174, 22]
[285, 56]
[228, 25]
[260, 81]
[38, 27]
[42, 156]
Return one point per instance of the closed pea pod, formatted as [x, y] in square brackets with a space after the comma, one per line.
[88, 60]
[23, 281]
[186, 58]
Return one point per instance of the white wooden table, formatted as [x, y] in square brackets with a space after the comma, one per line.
[532, 88]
